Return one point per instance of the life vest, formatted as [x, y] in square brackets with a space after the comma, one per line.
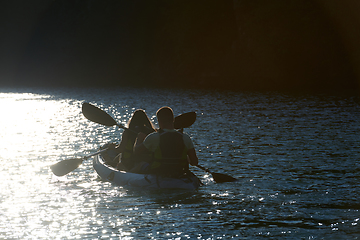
[170, 157]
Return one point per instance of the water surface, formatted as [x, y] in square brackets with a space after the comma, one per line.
[296, 158]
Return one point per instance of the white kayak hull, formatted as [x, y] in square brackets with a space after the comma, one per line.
[147, 181]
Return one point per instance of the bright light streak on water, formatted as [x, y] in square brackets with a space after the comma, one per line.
[296, 158]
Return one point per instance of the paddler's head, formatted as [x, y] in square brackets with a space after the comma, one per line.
[139, 119]
[165, 117]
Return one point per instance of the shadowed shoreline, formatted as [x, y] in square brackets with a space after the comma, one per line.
[237, 45]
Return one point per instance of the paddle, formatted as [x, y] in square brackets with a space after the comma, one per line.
[218, 177]
[97, 115]
[184, 120]
[64, 167]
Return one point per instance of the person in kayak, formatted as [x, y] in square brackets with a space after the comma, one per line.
[172, 151]
[139, 122]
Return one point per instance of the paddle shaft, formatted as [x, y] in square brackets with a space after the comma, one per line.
[94, 154]
[203, 168]
[125, 128]
[218, 177]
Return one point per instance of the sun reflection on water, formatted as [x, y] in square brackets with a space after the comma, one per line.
[28, 122]
[33, 127]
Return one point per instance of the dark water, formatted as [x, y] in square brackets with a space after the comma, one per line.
[296, 158]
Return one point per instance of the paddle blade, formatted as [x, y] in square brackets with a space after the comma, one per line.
[221, 178]
[184, 120]
[97, 115]
[64, 167]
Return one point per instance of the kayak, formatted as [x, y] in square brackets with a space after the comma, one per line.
[137, 180]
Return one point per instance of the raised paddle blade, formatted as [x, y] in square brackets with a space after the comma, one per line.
[97, 115]
[221, 178]
[64, 167]
[184, 120]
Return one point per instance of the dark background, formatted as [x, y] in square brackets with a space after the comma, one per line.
[296, 45]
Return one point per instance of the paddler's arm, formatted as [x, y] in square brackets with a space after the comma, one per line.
[192, 157]
[191, 153]
[120, 148]
[139, 147]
